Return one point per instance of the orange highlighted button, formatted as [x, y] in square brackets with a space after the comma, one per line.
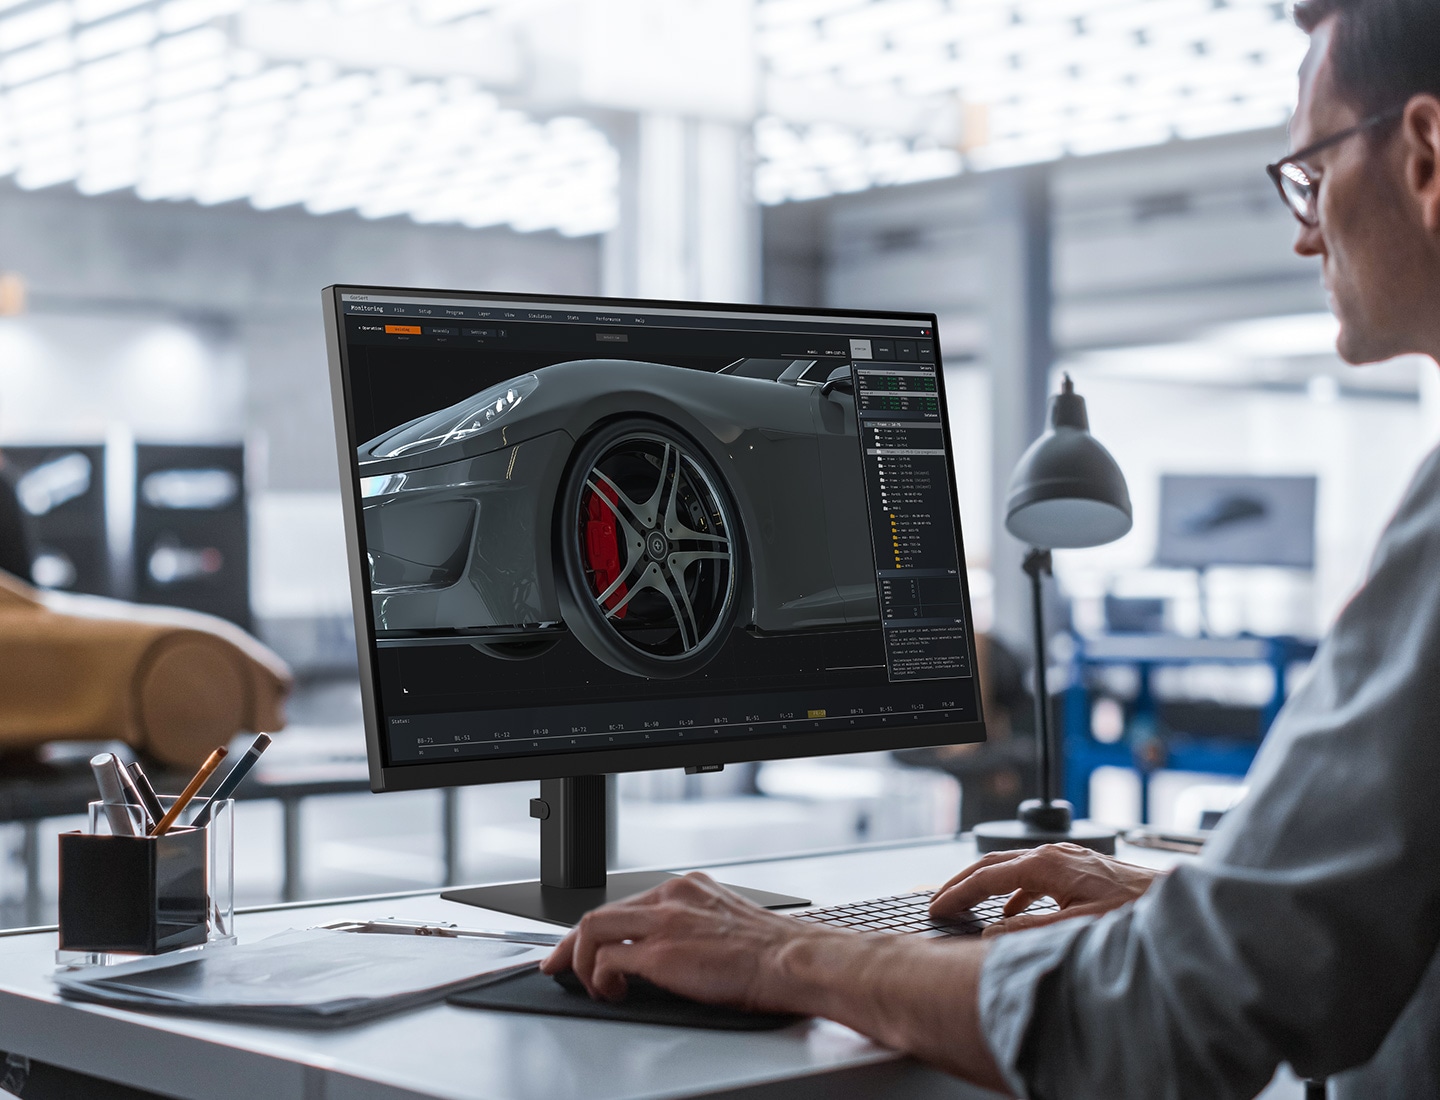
[403, 330]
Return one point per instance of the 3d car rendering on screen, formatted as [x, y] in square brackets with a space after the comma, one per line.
[645, 508]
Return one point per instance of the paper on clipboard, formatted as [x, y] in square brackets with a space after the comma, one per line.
[318, 978]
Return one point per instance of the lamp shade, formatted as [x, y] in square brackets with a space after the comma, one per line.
[1067, 491]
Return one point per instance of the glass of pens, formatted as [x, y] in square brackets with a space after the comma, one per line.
[174, 864]
[151, 873]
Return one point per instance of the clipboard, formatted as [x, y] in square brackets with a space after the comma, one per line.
[443, 930]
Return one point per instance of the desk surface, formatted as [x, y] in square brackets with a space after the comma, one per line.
[470, 1054]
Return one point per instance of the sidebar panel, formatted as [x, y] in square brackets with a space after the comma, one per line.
[907, 484]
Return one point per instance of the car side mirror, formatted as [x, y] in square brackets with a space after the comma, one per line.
[839, 380]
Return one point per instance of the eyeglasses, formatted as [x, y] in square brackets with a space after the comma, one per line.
[1298, 191]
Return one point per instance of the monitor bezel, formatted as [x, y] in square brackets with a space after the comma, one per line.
[554, 764]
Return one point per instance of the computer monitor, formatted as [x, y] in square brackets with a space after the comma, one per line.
[1236, 519]
[590, 536]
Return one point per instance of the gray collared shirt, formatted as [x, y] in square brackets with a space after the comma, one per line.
[1307, 931]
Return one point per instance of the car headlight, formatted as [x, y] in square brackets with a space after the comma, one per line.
[382, 485]
[459, 421]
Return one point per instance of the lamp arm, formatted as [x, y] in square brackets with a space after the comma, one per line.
[1037, 564]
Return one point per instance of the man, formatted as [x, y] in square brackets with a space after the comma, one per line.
[1307, 932]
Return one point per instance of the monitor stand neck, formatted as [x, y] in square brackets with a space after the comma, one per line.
[574, 827]
[573, 873]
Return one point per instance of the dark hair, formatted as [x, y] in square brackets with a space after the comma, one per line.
[1383, 51]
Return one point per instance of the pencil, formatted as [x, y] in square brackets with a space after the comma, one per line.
[206, 770]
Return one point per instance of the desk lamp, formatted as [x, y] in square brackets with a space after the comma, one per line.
[1066, 493]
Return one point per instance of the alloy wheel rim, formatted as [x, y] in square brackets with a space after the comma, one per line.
[658, 546]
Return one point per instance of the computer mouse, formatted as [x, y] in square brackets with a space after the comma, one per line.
[638, 989]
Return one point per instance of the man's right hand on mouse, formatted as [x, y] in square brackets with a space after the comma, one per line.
[691, 936]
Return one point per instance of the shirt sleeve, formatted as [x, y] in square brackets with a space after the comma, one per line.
[1305, 926]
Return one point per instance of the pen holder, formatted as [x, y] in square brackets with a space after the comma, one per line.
[146, 895]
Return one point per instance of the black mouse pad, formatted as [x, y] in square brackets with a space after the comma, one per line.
[532, 991]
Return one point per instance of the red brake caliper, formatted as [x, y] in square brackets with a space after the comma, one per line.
[601, 543]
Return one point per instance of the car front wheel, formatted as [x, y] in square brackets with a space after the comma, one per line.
[650, 550]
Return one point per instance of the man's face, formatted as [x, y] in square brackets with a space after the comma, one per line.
[1367, 238]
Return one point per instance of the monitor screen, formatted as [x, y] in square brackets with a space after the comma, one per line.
[1233, 519]
[591, 535]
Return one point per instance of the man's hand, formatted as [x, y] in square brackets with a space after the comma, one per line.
[1081, 882]
[691, 936]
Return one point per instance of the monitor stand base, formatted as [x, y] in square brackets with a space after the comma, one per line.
[566, 905]
[573, 858]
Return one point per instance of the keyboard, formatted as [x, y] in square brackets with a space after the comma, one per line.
[908, 915]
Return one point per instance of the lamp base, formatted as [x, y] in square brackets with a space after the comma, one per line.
[1044, 822]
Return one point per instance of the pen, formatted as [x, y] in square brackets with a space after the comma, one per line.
[230, 782]
[146, 792]
[113, 795]
[207, 769]
[132, 798]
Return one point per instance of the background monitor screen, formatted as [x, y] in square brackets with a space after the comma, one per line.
[592, 536]
[1210, 520]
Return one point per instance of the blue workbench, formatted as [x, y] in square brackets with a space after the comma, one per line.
[1146, 745]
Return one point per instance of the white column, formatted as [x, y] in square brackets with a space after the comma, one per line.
[1019, 353]
[726, 221]
[664, 263]
[688, 224]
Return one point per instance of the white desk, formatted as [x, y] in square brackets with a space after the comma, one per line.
[470, 1054]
